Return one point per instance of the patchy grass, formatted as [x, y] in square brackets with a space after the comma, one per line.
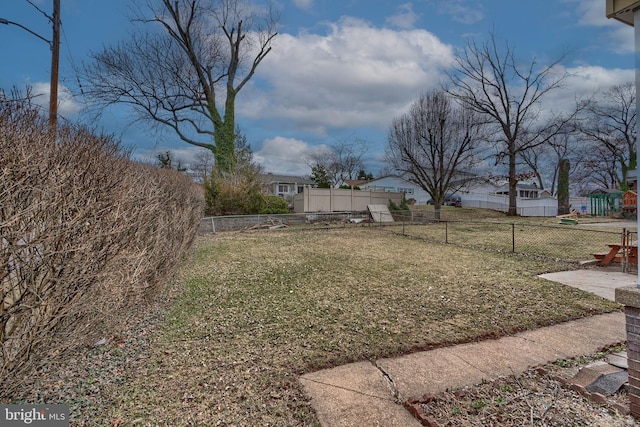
[573, 244]
[255, 310]
[261, 308]
[483, 228]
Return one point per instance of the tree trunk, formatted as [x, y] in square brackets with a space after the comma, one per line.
[437, 210]
[563, 188]
[224, 135]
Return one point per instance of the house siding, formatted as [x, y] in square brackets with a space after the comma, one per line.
[284, 185]
[399, 185]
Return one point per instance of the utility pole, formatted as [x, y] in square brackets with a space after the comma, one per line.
[55, 65]
[54, 44]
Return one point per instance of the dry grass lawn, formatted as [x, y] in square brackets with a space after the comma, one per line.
[483, 228]
[255, 310]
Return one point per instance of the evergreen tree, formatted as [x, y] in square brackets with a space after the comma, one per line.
[320, 176]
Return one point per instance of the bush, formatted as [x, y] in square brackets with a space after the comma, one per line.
[238, 193]
[274, 205]
[403, 205]
[86, 235]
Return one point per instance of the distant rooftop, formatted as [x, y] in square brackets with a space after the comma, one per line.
[269, 178]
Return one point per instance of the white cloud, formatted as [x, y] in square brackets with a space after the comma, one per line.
[591, 12]
[279, 155]
[356, 75]
[405, 18]
[303, 4]
[286, 156]
[461, 12]
[582, 83]
[187, 156]
[588, 79]
[618, 38]
[622, 39]
[67, 105]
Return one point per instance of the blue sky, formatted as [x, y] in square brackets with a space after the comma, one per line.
[339, 70]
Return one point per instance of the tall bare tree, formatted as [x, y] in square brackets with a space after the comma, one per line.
[544, 160]
[433, 144]
[610, 124]
[343, 160]
[488, 79]
[602, 168]
[176, 68]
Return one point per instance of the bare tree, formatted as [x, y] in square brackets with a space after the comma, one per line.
[544, 160]
[203, 164]
[610, 124]
[433, 143]
[488, 79]
[174, 71]
[537, 159]
[343, 160]
[601, 169]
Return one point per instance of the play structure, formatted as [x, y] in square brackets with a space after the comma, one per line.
[613, 202]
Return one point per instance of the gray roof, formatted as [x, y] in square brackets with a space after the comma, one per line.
[269, 178]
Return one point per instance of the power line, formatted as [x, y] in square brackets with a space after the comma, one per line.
[71, 59]
[40, 10]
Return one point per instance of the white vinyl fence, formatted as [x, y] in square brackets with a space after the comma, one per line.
[547, 207]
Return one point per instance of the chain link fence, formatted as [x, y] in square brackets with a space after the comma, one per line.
[563, 242]
[216, 224]
[573, 243]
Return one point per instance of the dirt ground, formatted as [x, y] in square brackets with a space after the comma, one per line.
[539, 397]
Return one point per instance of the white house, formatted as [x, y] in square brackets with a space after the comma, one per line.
[397, 184]
[284, 185]
[481, 193]
[525, 191]
[401, 185]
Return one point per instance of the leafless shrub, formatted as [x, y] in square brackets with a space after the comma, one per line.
[85, 234]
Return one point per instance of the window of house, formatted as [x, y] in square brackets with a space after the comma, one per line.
[283, 188]
[528, 194]
[300, 188]
[406, 190]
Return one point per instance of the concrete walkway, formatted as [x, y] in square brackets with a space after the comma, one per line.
[371, 392]
[599, 281]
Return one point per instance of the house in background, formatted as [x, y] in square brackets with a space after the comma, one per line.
[356, 182]
[391, 183]
[399, 184]
[525, 191]
[284, 185]
[479, 192]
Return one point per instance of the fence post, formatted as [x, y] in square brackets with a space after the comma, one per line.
[446, 232]
[625, 251]
[213, 225]
[513, 237]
